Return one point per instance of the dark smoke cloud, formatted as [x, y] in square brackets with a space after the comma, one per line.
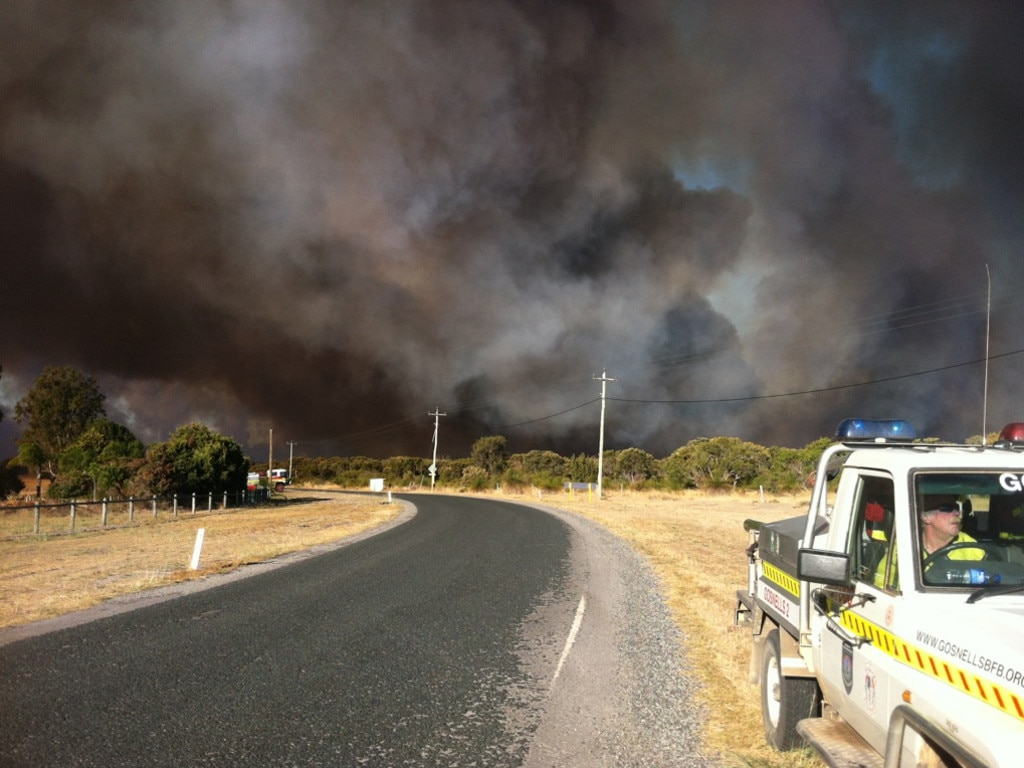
[331, 218]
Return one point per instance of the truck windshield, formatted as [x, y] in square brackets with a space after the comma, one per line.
[971, 528]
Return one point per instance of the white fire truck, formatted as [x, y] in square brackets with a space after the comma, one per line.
[869, 646]
[278, 480]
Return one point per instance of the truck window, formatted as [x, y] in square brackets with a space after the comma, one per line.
[970, 526]
[872, 532]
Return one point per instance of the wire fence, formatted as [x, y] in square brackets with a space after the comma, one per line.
[76, 516]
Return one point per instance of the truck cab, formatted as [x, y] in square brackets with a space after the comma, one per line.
[279, 479]
[888, 622]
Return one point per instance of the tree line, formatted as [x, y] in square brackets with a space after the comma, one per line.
[711, 463]
[69, 439]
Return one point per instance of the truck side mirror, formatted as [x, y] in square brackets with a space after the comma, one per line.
[823, 567]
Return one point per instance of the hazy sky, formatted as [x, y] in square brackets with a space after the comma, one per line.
[330, 218]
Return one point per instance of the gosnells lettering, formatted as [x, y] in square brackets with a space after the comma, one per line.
[1012, 482]
[775, 600]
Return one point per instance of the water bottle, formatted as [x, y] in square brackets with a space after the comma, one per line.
[972, 576]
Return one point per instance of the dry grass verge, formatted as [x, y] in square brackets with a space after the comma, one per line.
[43, 577]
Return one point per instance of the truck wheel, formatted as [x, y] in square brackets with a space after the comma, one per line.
[785, 701]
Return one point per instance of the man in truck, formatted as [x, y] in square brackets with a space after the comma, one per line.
[941, 522]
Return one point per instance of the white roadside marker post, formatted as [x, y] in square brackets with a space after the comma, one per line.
[197, 549]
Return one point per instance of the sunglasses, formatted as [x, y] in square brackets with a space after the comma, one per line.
[947, 508]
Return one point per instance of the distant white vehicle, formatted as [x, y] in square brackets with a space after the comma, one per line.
[279, 479]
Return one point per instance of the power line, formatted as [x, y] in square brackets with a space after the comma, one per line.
[835, 388]
[394, 426]
[549, 416]
[943, 310]
[383, 429]
[891, 322]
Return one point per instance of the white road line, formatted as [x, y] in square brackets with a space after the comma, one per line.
[576, 622]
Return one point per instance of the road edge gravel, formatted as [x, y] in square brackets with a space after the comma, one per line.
[626, 696]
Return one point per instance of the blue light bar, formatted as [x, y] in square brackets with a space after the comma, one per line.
[876, 430]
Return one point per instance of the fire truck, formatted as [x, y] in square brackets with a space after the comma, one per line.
[278, 480]
[870, 644]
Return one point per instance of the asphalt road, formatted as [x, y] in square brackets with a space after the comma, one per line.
[477, 633]
[401, 649]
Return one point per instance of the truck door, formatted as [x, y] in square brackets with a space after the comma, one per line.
[854, 673]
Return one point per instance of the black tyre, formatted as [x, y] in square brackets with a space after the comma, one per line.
[785, 701]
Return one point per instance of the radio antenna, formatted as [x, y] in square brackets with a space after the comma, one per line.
[988, 327]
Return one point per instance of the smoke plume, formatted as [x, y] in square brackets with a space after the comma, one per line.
[330, 219]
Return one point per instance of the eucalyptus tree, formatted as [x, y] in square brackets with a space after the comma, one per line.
[716, 462]
[58, 408]
[491, 454]
[634, 465]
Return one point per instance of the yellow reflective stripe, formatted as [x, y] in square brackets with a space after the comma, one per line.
[936, 667]
[780, 578]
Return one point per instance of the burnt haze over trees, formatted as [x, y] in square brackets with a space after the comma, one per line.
[90, 454]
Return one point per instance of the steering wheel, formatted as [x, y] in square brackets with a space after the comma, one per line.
[992, 552]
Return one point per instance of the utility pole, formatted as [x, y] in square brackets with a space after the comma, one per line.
[270, 456]
[291, 455]
[600, 445]
[988, 332]
[433, 466]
